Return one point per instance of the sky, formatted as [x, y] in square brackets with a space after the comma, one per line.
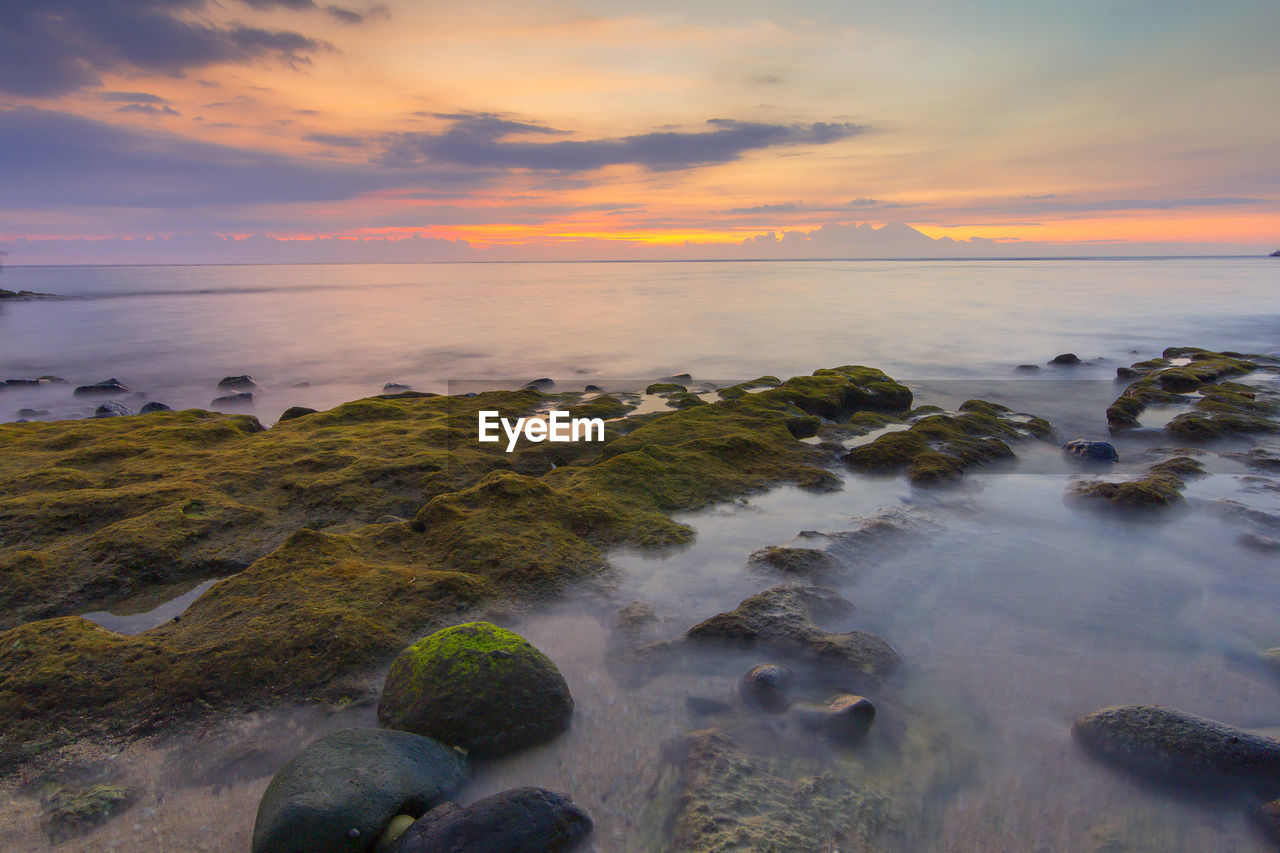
[259, 130]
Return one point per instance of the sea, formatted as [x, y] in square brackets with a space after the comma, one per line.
[1015, 611]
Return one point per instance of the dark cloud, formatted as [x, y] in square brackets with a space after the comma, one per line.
[344, 16]
[48, 47]
[132, 97]
[59, 160]
[481, 140]
[148, 109]
[335, 139]
[786, 207]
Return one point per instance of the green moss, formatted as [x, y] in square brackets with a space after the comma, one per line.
[684, 400]
[1160, 486]
[605, 406]
[733, 392]
[1220, 408]
[664, 388]
[940, 448]
[185, 494]
[71, 812]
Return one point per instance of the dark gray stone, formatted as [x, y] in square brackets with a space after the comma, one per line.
[112, 409]
[105, 388]
[295, 412]
[244, 382]
[395, 388]
[152, 407]
[1174, 746]
[242, 400]
[521, 820]
[767, 686]
[1067, 358]
[1091, 451]
[337, 794]
[845, 720]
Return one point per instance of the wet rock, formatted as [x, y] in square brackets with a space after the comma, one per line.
[21, 383]
[478, 687]
[395, 388]
[793, 561]
[592, 389]
[1027, 368]
[395, 828]
[244, 382]
[1261, 544]
[712, 794]
[679, 378]
[783, 619]
[1066, 358]
[32, 413]
[543, 384]
[70, 812]
[112, 409]
[295, 412]
[338, 793]
[663, 388]
[767, 686]
[105, 388]
[637, 622]
[1173, 746]
[1091, 451]
[1268, 817]
[704, 706]
[242, 400]
[845, 720]
[520, 820]
[52, 380]
[152, 407]
[1159, 487]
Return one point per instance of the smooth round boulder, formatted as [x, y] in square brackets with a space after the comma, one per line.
[1177, 747]
[1066, 358]
[295, 412]
[242, 400]
[153, 407]
[337, 795]
[243, 382]
[112, 409]
[1091, 451]
[767, 686]
[845, 720]
[478, 687]
[520, 820]
[105, 388]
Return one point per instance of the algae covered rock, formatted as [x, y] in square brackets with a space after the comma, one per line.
[1174, 746]
[69, 812]
[711, 794]
[514, 821]
[337, 794]
[479, 687]
[793, 561]
[1091, 451]
[783, 619]
[767, 686]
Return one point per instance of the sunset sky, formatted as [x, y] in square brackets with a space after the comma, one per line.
[603, 129]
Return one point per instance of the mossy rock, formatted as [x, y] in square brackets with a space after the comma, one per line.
[338, 794]
[1220, 408]
[1160, 486]
[477, 687]
[793, 561]
[69, 812]
[605, 406]
[663, 388]
[939, 448]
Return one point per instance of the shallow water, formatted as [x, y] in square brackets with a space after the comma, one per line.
[1014, 613]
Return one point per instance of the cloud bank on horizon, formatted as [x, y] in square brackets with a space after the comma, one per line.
[257, 130]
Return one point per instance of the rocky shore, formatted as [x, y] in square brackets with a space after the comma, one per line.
[370, 535]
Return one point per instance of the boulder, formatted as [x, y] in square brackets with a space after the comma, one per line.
[339, 793]
[33, 413]
[543, 384]
[244, 382]
[295, 412]
[592, 389]
[783, 619]
[1173, 746]
[152, 407]
[478, 687]
[105, 388]
[395, 388]
[1091, 451]
[52, 380]
[1027, 368]
[767, 686]
[112, 409]
[521, 820]
[793, 561]
[241, 400]
[21, 383]
[845, 720]
[1066, 358]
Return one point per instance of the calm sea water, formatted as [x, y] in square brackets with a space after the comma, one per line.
[173, 332]
[1017, 613]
